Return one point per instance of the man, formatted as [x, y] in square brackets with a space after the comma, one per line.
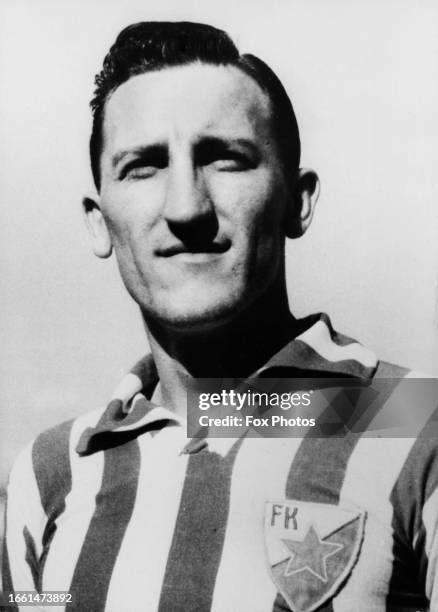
[195, 156]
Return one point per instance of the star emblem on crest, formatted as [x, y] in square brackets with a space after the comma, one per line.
[311, 554]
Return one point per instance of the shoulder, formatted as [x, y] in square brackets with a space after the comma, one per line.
[45, 464]
[402, 405]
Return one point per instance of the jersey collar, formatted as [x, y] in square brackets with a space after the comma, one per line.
[319, 351]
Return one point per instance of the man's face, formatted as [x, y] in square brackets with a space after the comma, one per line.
[192, 193]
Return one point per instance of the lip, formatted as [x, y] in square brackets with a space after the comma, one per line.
[195, 252]
[188, 257]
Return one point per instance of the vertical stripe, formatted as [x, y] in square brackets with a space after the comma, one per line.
[51, 466]
[373, 469]
[244, 581]
[7, 583]
[31, 557]
[80, 504]
[417, 480]
[316, 475]
[142, 559]
[318, 470]
[114, 505]
[198, 538]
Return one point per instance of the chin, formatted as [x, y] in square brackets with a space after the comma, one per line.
[194, 315]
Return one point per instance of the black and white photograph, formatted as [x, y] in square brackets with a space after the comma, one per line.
[219, 306]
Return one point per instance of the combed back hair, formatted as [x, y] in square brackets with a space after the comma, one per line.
[154, 45]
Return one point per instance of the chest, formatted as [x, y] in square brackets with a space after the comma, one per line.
[223, 531]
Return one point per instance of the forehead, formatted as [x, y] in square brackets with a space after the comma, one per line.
[186, 102]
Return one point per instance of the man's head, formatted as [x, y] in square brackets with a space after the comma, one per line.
[195, 154]
[151, 46]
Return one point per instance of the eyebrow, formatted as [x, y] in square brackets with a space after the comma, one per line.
[217, 141]
[205, 141]
[141, 151]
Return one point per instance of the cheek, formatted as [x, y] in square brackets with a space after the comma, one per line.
[260, 214]
[124, 223]
[112, 206]
[128, 247]
[120, 236]
[132, 211]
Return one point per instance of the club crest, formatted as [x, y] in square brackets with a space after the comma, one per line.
[311, 549]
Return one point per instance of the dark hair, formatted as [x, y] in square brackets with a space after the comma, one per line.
[154, 45]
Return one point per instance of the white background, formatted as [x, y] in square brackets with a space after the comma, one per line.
[363, 79]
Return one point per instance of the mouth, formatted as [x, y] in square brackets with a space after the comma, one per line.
[195, 251]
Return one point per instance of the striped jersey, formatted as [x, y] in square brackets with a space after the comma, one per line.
[120, 509]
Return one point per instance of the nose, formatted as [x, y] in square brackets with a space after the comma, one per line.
[187, 196]
[188, 208]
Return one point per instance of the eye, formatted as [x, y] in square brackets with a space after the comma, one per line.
[137, 171]
[231, 161]
[223, 156]
[145, 166]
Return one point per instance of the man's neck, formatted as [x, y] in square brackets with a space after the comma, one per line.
[235, 350]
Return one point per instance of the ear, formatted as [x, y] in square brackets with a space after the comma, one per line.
[100, 238]
[304, 197]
